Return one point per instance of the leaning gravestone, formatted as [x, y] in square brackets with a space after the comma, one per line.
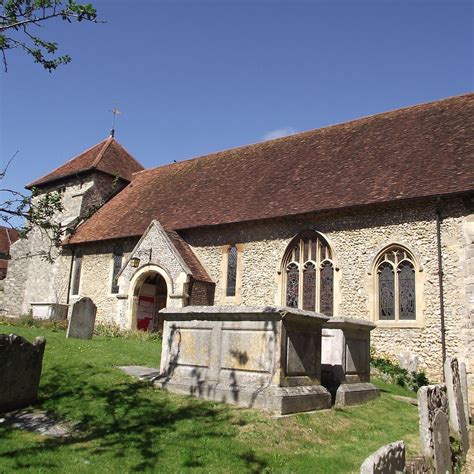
[464, 390]
[434, 428]
[389, 459]
[82, 320]
[457, 414]
[20, 363]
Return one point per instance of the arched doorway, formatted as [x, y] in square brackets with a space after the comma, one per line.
[150, 294]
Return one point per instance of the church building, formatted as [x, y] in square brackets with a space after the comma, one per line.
[372, 219]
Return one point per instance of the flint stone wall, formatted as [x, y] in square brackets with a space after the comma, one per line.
[356, 238]
[389, 459]
[31, 278]
[21, 364]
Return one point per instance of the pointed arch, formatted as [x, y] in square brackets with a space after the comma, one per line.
[396, 287]
[307, 270]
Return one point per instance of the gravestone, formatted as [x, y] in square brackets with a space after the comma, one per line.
[457, 414]
[464, 390]
[82, 320]
[20, 371]
[434, 426]
[389, 459]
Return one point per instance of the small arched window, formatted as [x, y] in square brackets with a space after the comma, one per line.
[308, 274]
[231, 271]
[396, 285]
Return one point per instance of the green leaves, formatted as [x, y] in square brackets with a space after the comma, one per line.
[18, 18]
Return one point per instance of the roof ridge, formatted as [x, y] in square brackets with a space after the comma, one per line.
[65, 163]
[102, 152]
[305, 132]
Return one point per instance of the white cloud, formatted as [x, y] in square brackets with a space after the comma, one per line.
[278, 133]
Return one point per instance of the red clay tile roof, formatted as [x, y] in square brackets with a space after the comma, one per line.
[197, 270]
[107, 156]
[7, 237]
[420, 151]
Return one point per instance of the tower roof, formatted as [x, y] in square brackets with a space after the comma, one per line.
[107, 156]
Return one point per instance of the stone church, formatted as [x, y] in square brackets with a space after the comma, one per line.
[372, 218]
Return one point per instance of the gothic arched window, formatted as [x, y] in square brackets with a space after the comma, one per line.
[308, 274]
[395, 282]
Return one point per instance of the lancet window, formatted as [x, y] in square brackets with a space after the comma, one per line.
[309, 274]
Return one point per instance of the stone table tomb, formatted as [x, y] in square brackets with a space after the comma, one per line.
[262, 357]
[345, 360]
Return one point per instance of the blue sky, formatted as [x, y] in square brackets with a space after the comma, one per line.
[193, 77]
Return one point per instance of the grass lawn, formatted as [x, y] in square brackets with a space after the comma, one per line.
[128, 426]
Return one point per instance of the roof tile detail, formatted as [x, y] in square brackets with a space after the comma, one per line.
[8, 236]
[420, 151]
[107, 156]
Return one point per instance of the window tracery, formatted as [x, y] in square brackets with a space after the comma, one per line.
[309, 274]
[396, 285]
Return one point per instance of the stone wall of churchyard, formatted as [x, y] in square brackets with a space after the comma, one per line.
[356, 238]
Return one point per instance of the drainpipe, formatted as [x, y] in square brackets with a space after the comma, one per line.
[440, 281]
[70, 277]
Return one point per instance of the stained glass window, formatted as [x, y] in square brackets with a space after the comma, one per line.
[406, 278]
[309, 274]
[292, 285]
[396, 285]
[309, 287]
[231, 270]
[117, 265]
[386, 292]
[77, 273]
[327, 289]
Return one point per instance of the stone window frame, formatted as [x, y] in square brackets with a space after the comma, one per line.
[80, 255]
[373, 289]
[118, 250]
[286, 260]
[236, 299]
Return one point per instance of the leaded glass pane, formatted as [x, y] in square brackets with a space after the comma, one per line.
[309, 287]
[306, 251]
[77, 274]
[231, 270]
[292, 286]
[386, 292]
[406, 279]
[313, 249]
[296, 256]
[327, 289]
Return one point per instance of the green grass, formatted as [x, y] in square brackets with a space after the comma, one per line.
[129, 426]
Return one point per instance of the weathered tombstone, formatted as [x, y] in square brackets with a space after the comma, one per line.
[82, 320]
[389, 459]
[457, 416]
[20, 363]
[345, 360]
[434, 428]
[464, 390]
[408, 361]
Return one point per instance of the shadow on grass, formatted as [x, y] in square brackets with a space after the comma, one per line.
[125, 419]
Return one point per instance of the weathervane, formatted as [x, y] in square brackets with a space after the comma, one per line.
[115, 112]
